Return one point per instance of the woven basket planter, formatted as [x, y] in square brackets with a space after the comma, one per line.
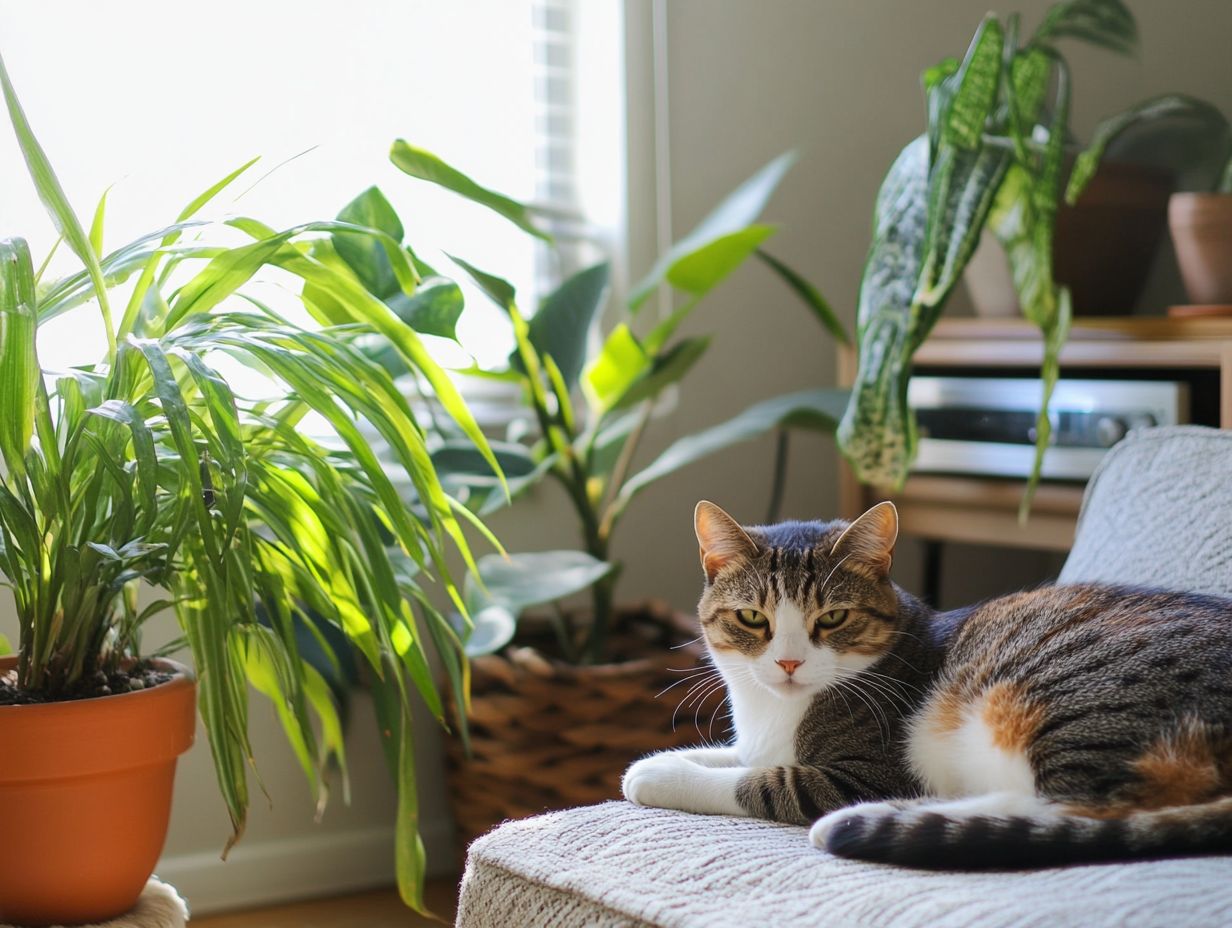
[549, 735]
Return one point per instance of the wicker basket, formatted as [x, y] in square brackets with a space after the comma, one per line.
[549, 735]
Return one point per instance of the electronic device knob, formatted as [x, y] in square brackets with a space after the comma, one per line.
[1110, 429]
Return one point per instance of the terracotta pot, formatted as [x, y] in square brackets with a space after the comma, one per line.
[85, 796]
[548, 735]
[1103, 248]
[1201, 225]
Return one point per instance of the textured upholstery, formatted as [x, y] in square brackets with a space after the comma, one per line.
[618, 864]
[1158, 512]
[1155, 513]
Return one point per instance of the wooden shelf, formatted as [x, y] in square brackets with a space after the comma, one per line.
[985, 510]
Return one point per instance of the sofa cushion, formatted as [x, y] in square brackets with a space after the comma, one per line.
[617, 864]
[1158, 512]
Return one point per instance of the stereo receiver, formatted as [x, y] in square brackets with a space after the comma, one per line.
[986, 425]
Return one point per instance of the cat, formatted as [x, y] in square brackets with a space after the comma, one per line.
[1068, 723]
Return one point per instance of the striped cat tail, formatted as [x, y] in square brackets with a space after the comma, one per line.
[973, 835]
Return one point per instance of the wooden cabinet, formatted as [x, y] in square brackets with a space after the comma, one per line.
[985, 510]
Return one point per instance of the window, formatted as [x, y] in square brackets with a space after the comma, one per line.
[525, 95]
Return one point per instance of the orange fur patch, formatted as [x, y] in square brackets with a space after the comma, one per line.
[945, 712]
[1179, 770]
[1011, 717]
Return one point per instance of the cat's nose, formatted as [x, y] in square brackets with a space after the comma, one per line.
[789, 666]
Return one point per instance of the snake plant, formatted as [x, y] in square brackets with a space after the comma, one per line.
[145, 470]
[992, 158]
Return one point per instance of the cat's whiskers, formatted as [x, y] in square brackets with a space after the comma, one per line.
[878, 714]
[694, 676]
[695, 688]
[685, 644]
[697, 722]
[889, 687]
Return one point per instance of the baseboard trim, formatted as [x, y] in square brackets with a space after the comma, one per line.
[290, 869]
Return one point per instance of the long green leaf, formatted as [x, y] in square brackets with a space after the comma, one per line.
[813, 409]
[54, 199]
[721, 241]
[1105, 23]
[426, 166]
[809, 295]
[20, 375]
[1168, 106]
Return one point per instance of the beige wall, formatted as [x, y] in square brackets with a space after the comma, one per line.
[836, 79]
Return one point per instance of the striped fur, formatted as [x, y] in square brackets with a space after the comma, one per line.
[1068, 723]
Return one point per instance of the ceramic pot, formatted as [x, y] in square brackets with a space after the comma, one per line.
[1103, 248]
[1201, 225]
[85, 797]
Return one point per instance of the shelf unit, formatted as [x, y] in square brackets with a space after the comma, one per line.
[985, 510]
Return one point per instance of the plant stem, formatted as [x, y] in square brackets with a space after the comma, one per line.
[623, 462]
[779, 482]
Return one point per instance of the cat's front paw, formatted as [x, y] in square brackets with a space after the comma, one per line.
[660, 780]
[865, 812]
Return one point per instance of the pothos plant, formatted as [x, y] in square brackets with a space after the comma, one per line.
[586, 411]
[144, 469]
[993, 157]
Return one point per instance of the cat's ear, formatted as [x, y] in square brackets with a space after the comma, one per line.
[870, 539]
[721, 538]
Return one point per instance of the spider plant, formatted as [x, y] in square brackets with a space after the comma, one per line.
[992, 157]
[145, 469]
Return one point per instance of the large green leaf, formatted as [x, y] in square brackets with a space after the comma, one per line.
[20, 375]
[620, 363]
[426, 166]
[721, 241]
[433, 309]
[668, 368]
[875, 432]
[461, 461]
[819, 410]
[561, 327]
[363, 254]
[511, 584]
[930, 211]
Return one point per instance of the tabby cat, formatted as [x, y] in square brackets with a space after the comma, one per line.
[1069, 723]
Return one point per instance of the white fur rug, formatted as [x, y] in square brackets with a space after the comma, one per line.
[159, 906]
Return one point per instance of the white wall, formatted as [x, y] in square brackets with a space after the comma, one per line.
[836, 79]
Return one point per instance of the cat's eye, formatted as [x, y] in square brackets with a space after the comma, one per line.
[752, 618]
[832, 619]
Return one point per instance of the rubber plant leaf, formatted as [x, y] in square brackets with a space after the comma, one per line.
[561, 327]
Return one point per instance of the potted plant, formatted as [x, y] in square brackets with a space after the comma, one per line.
[1201, 225]
[564, 699]
[992, 158]
[144, 470]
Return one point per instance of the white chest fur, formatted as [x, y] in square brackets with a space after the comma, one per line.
[766, 724]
